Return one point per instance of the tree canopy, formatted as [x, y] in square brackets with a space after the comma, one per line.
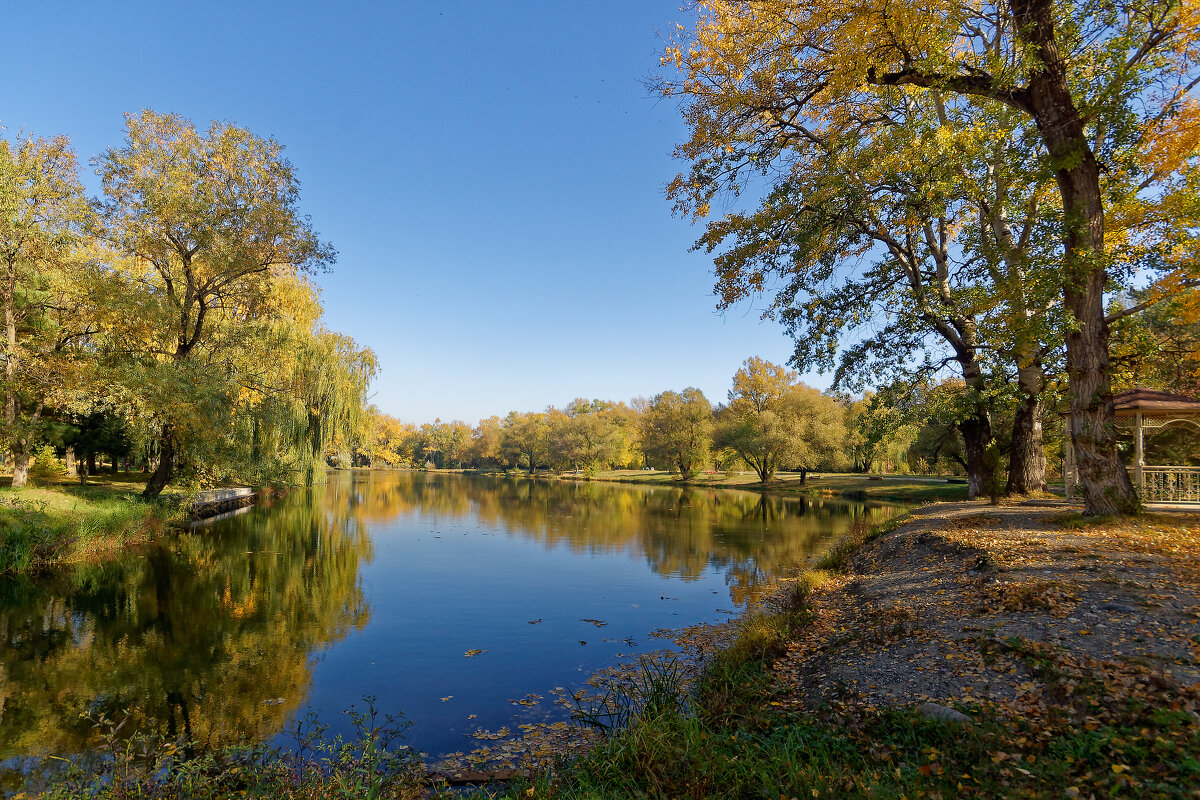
[941, 147]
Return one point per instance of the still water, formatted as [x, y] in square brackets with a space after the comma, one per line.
[381, 584]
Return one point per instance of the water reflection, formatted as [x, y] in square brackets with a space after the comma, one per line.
[215, 634]
[679, 531]
[208, 636]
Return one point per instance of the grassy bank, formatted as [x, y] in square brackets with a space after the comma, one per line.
[66, 522]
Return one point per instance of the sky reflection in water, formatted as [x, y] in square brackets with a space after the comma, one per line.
[379, 584]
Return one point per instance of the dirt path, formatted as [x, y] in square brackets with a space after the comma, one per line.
[1020, 608]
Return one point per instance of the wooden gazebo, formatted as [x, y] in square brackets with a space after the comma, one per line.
[1149, 410]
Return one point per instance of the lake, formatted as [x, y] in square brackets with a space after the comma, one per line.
[448, 598]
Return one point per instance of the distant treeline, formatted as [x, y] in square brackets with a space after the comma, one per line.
[769, 422]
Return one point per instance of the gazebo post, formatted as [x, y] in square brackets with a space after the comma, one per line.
[1140, 451]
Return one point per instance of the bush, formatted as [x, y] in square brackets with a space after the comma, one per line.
[46, 467]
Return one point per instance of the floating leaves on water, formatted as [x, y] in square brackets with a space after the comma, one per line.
[629, 640]
[447, 698]
[528, 700]
[599, 623]
[472, 716]
[534, 621]
[490, 735]
[472, 653]
[581, 641]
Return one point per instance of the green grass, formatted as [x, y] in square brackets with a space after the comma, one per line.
[882, 754]
[40, 527]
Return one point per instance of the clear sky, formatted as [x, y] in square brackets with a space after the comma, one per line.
[491, 174]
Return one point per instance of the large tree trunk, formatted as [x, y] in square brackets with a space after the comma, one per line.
[1027, 455]
[70, 459]
[20, 469]
[977, 434]
[166, 464]
[1102, 475]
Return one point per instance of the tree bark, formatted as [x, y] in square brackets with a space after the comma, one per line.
[70, 459]
[1102, 475]
[1027, 456]
[18, 448]
[977, 434]
[1027, 453]
[20, 469]
[166, 464]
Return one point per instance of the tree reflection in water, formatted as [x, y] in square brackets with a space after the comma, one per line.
[212, 634]
[680, 531]
[207, 635]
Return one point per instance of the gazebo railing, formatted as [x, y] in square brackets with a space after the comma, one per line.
[1171, 484]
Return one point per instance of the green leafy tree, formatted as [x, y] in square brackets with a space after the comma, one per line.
[774, 423]
[677, 430]
[525, 437]
[1083, 83]
[42, 210]
[585, 436]
[210, 221]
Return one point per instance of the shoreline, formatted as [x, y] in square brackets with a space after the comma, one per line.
[904, 489]
[961, 649]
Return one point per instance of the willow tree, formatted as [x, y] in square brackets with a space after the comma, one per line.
[42, 209]
[210, 220]
[1093, 82]
[333, 377]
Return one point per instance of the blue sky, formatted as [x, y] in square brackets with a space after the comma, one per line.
[491, 174]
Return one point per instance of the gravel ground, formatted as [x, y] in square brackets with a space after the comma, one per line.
[949, 607]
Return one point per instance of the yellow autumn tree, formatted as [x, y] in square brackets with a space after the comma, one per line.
[1093, 83]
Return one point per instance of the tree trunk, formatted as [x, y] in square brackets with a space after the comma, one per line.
[20, 469]
[69, 457]
[977, 434]
[20, 453]
[1027, 454]
[166, 464]
[255, 444]
[1103, 478]
[91, 462]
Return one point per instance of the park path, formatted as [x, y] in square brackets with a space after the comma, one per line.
[1022, 608]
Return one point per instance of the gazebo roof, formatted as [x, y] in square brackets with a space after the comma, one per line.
[1130, 401]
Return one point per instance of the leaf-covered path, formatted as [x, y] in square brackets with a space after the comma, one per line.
[1025, 609]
